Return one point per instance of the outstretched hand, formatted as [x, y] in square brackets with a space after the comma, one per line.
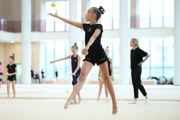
[53, 14]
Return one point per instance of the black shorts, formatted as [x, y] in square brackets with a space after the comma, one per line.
[11, 78]
[96, 58]
[1, 75]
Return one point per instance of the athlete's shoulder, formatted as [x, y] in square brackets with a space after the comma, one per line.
[14, 65]
[7, 65]
[99, 26]
[86, 24]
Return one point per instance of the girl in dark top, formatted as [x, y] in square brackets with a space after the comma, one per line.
[11, 73]
[42, 74]
[32, 73]
[1, 74]
[76, 69]
[137, 55]
[56, 73]
[96, 54]
[101, 77]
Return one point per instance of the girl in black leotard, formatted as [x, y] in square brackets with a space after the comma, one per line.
[11, 75]
[1, 74]
[75, 65]
[96, 55]
[56, 74]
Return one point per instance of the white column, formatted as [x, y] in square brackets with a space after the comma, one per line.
[26, 41]
[176, 42]
[73, 32]
[124, 41]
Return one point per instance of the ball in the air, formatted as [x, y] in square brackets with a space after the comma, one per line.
[51, 62]
[67, 91]
[53, 4]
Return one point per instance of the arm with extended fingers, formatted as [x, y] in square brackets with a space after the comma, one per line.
[73, 23]
[68, 57]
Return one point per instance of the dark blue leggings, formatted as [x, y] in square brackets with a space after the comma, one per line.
[75, 78]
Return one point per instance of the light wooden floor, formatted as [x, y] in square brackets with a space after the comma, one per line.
[45, 102]
[90, 91]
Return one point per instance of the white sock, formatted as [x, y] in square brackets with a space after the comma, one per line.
[133, 102]
[106, 99]
[147, 100]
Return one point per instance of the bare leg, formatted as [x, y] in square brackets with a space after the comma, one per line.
[0, 83]
[106, 91]
[108, 83]
[8, 85]
[79, 97]
[100, 90]
[75, 102]
[83, 75]
[13, 87]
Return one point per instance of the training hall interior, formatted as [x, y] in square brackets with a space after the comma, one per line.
[35, 39]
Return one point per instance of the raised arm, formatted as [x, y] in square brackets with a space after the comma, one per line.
[68, 57]
[73, 23]
[78, 66]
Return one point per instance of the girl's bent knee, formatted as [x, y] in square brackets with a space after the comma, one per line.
[82, 76]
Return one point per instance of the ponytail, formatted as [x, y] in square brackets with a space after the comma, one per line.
[101, 10]
[75, 46]
[98, 12]
[12, 57]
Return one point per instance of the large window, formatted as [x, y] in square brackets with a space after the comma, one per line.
[156, 13]
[54, 51]
[110, 19]
[161, 60]
[62, 7]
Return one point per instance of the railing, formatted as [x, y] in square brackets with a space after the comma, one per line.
[151, 22]
[111, 24]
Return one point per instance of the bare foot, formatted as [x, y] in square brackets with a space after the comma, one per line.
[115, 109]
[66, 105]
[73, 103]
[79, 101]
[114, 112]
